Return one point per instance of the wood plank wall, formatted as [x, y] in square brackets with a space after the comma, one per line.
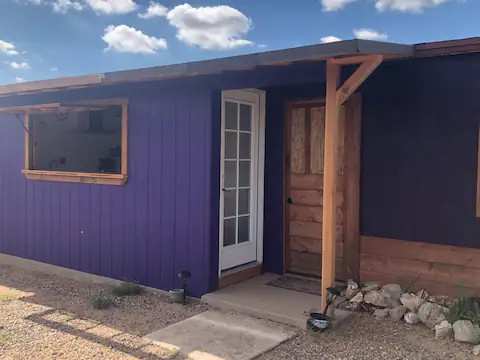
[441, 269]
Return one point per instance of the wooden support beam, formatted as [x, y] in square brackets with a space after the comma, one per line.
[352, 60]
[367, 67]
[351, 202]
[335, 97]
[330, 180]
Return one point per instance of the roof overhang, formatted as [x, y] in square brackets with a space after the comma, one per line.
[311, 53]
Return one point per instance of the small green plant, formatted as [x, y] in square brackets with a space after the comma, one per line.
[465, 308]
[127, 289]
[101, 301]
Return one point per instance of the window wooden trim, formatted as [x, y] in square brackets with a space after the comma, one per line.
[81, 177]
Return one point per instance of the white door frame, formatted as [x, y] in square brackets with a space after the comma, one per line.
[258, 158]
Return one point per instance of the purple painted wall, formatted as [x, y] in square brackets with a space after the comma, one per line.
[419, 151]
[145, 231]
[165, 219]
[418, 172]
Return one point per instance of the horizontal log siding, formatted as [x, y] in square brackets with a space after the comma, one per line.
[442, 269]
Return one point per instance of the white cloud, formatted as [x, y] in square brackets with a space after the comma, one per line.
[210, 27]
[63, 6]
[8, 48]
[126, 39]
[54, 69]
[112, 6]
[35, 2]
[415, 6]
[19, 65]
[19, 79]
[407, 5]
[334, 5]
[329, 39]
[154, 10]
[369, 34]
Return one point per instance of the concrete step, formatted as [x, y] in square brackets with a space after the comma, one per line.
[254, 297]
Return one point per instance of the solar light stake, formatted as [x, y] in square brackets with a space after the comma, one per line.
[184, 275]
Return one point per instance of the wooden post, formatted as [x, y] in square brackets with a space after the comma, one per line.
[330, 180]
[351, 200]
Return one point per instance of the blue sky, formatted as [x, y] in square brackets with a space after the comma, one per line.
[42, 39]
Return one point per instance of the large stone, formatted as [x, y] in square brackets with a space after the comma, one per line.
[397, 312]
[393, 291]
[370, 286]
[376, 298]
[431, 314]
[381, 314]
[352, 289]
[465, 331]
[357, 298]
[411, 301]
[411, 318]
[476, 350]
[443, 330]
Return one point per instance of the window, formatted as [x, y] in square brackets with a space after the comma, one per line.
[79, 142]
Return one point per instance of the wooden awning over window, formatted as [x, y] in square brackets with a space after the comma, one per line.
[64, 106]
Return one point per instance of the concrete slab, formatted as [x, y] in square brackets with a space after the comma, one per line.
[255, 297]
[215, 335]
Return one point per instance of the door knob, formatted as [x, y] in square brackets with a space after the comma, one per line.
[289, 200]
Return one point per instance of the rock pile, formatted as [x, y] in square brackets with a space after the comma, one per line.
[391, 302]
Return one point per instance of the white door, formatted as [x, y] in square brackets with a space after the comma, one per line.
[241, 183]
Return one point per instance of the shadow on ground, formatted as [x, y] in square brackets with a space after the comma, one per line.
[36, 306]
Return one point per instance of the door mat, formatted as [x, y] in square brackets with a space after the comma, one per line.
[288, 282]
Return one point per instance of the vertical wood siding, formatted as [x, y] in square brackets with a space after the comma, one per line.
[146, 231]
[165, 219]
[419, 151]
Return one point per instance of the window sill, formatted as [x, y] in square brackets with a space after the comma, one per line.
[86, 178]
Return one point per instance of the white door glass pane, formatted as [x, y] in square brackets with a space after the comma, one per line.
[245, 117]
[244, 173]
[243, 229]
[244, 146]
[230, 145]
[230, 174]
[229, 231]
[231, 115]
[243, 201]
[230, 203]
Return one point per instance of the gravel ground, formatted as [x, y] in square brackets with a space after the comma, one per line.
[48, 317]
[362, 337]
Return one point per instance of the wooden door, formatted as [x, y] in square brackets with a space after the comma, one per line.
[304, 183]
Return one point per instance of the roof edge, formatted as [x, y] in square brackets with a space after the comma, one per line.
[318, 52]
[448, 47]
